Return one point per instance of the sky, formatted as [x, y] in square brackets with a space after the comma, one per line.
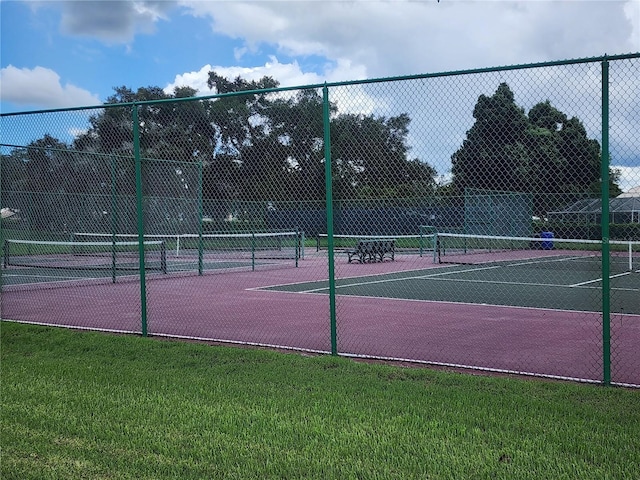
[73, 53]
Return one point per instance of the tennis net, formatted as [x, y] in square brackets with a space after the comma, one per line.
[418, 244]
[114, 255]
[210, 251]
[553, 252]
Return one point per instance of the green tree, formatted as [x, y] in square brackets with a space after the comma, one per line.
[544, 153]
[370, 158]
[493, 156]
[245, 161]
[50, 174]
[298, 124]
[176, 131]
[14, 172]
[278, 145]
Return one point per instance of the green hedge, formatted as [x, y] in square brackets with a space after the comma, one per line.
[590, 231]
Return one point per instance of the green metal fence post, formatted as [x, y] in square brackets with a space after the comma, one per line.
[606, 268]
[114, 218]
[3, 245]
[200, 214]
[140, 215]
[329, 202]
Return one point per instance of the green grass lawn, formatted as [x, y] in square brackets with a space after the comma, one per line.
[99, 406]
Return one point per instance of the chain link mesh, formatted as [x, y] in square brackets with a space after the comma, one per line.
[464, 226]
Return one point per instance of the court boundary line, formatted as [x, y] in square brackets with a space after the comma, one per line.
[600, 279]
[272, 290]
[436, 275]
[73, 327]
[559, 285]
[326, 279]
[319, 291]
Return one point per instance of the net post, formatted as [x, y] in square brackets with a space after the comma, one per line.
[253, 251]
[163, 257]
[5, 250]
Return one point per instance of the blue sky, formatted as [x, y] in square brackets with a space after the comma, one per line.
[60, 54]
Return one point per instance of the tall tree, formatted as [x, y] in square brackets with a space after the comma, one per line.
[370, 156]
[169, 130]
[49, 167]
[298, 124]
[241, 137]
[493, 155]
[278, 143]
[544, 153]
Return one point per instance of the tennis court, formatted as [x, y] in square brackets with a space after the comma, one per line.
[533, 315]
[519, 315]
[560, 280]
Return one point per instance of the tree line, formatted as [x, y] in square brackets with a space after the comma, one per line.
[270, 147]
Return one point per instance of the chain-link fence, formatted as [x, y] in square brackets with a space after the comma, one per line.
[485, 219]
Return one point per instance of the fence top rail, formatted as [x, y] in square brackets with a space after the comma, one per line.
[112, 156]
[603, 58]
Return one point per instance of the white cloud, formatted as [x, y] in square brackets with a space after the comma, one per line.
[407, 37]
[441, 108]
[629, 177]
[632, 12]
[41, 87]
[196, 80]
[288, 74]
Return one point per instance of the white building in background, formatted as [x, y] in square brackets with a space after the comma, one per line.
[632, 193]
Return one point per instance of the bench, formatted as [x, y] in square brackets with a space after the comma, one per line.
[372, 250]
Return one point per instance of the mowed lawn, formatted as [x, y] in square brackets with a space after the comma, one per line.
[85, 405]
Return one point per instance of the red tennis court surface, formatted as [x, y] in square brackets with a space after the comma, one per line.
[233, 307]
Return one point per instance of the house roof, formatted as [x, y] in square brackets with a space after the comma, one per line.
[593, 205]
[631, 193]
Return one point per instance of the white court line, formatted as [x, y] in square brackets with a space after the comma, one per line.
[493, 282]
[558, 285]
[278, 285]
[402, 278]
[599, 279]
[497, 282]
[537, 261]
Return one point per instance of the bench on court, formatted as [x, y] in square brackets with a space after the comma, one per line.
[372, 250]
